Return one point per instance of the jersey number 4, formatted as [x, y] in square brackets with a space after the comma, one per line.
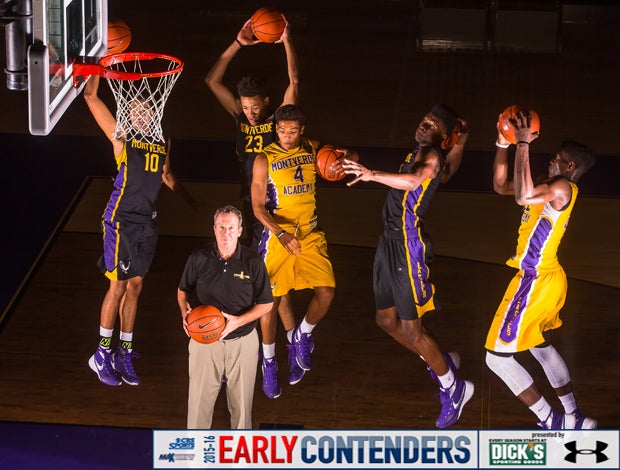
[299, 174]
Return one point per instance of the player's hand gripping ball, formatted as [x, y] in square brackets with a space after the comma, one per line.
[507, 129]
[267, 24]
[325, 159]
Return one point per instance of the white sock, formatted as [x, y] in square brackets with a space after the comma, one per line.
[569, 403]
[306, 327]
[542, 409]
[289, 335]
[447, 380]
[269, 350]
[126, 336]
[106, 332]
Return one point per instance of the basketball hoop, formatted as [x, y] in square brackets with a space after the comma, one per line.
[141, 83]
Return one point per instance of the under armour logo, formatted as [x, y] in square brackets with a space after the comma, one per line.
[241, 276]
[572, 456]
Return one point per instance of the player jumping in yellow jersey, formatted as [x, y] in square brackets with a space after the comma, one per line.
[293, 247]
[530, 308]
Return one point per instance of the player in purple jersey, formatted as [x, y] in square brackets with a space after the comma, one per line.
[402, 286]
[129, 231]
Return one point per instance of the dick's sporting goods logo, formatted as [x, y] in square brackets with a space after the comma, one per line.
[516, 452]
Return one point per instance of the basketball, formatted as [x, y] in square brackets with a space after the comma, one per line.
[119, 36]
[267, 25]
[325, 159]
[507, 129]
[205, 323]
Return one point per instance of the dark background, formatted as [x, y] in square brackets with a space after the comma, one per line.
[366, 80]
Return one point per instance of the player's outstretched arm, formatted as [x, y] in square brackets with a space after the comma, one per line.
[215, 76]
[426, 167]
[291, 94]
[214, 81]
[101, 113]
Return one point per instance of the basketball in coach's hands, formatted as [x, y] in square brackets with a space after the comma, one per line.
[267, 24]
[205, 324]
[119, 36]
[506, 127]
[325, 159]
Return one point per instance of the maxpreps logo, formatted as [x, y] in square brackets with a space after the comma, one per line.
[517, 452]
[180, 443]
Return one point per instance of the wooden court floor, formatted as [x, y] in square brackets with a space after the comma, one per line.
[361, 377]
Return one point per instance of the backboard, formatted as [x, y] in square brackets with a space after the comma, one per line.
[63, 30]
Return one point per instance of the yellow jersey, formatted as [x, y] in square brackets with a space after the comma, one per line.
[291, 186]
[541, 231]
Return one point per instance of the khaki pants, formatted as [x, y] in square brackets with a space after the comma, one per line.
[234, 359]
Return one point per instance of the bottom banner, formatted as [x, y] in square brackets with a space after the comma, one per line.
[385, 449]
[314, 449]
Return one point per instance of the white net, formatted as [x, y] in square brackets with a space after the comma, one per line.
[141, 84]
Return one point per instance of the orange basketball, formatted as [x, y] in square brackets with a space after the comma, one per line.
[119, 36]
[205, 323]
[325, 159]
[508, 130]
[267, 24]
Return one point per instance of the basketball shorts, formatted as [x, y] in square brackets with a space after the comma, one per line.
[531, 306]
[311, 268]
[128, 249]
[401, 276]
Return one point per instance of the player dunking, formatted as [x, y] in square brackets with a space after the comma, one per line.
[254, 121]
[129, 231]
[402, 286]
[292, 245]
[529, 311]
